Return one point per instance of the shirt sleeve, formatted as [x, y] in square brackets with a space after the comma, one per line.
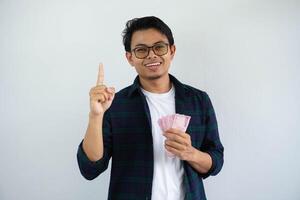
[91, 169]
[212, 144]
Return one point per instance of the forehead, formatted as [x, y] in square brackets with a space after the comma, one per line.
[147, 37]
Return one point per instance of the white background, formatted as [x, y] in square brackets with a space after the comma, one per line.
[244, 54]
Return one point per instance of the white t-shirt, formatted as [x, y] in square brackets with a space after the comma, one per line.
[168, 171]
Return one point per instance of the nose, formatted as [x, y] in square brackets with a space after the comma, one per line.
[151, 54]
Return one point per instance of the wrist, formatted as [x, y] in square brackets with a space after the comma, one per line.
[96, 116]
[194, 155]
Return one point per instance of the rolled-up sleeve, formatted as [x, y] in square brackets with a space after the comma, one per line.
[91, 169]
[211, 143]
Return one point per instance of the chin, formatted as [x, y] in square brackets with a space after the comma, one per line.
[155, 77]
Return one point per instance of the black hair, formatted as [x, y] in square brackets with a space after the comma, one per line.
[144, 23]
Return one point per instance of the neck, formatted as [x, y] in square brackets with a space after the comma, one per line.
[160, 85]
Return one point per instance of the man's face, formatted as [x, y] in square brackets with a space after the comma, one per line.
[152, 66]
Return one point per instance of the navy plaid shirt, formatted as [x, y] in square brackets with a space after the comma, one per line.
[127, 139]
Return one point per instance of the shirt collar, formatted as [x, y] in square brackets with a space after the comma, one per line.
[179, 87]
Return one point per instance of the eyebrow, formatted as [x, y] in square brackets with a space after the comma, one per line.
[141, 44]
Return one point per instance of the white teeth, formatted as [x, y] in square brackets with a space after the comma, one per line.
[152, 64]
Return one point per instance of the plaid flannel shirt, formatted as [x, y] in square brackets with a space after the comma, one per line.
[127, 139]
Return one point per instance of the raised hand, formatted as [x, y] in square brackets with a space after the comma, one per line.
[101, 97]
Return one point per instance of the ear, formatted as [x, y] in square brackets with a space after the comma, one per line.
[129, 58]
[172, 51]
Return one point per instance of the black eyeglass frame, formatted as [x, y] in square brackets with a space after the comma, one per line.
[151, 47]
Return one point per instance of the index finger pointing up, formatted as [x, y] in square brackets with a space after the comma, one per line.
[100, 75]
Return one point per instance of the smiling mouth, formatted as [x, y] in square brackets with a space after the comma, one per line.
[153, 65]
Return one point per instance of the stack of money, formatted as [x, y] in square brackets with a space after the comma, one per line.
[176, 121]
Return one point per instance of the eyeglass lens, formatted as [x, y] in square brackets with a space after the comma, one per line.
[143, 51]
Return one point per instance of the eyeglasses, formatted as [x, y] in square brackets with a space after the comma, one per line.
[159, 49]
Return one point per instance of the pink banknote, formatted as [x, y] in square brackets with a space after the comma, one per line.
[176, 121]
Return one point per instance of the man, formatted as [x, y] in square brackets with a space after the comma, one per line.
[124, 126]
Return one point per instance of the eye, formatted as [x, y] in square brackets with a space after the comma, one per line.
[141, 50]
[159, 47]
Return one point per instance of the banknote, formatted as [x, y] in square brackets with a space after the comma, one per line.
[176, 121]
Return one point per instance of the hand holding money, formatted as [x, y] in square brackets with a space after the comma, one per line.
[178, 142]
[101, 97]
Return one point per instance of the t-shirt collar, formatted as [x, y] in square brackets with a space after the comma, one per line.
[179, 87]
